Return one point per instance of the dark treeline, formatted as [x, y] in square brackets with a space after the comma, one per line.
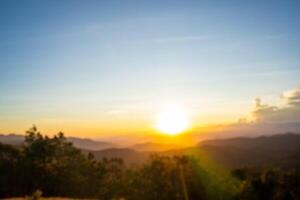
[57, 168]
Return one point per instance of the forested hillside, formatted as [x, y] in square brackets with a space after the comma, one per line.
[55, 167]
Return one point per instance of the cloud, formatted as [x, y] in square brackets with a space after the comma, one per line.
[290, 112]
[266, 119]
[292, 97]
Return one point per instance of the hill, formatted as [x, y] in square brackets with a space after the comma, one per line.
[152, 147]
[13, 139]
[81, 143]
[277, 150]
[129, 156]
[281, 150]
[287, 142]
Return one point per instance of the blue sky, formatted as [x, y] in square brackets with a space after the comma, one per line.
[64, 62]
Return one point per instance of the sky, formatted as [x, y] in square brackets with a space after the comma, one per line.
[107, 68]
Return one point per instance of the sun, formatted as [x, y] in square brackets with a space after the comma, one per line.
[173, 120]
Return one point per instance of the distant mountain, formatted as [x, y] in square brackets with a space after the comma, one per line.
[13, 139]
[288, 141]
[153, 147]
[278, 150]
[130, 156]
[135, 154]
[80, 143]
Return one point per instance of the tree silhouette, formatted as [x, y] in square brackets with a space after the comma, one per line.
[55, 167]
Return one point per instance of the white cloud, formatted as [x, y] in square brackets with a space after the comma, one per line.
[290, 112]
[268, 119]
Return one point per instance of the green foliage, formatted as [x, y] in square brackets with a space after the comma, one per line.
[10, 158]
[270, 183]
[56, 167]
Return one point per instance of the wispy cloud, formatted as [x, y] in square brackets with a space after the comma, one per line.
[180, 39]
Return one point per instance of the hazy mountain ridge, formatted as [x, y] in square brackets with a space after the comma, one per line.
[281, 150]
[81, 143]
[287, 141]
[13, 139]
[277, 150]
[152, 146]
[129, 156]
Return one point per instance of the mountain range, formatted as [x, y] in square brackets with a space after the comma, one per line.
[282, 150]
[81, 143]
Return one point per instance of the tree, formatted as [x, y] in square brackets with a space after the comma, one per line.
[269, 183]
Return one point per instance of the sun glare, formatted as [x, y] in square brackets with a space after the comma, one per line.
[172, 121]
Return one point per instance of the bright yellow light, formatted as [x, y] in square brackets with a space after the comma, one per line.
[172, 121]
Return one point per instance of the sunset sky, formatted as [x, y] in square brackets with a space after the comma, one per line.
[108, 68]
